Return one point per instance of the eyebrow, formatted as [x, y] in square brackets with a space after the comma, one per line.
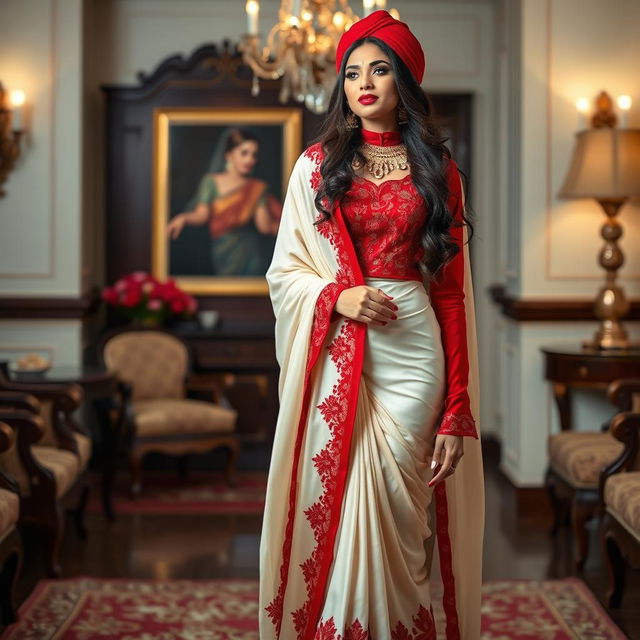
[371, 64]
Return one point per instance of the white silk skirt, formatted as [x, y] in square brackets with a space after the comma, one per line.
[379, 576]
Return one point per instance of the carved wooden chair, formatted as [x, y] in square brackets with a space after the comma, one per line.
[619, 494]
[154, 413]
[576, 460]
[49, 460]
[10, 540]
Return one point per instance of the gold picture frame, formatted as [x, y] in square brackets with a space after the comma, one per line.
[182, 137]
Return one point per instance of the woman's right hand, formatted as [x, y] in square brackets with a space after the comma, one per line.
[366, 304]
[175, 226]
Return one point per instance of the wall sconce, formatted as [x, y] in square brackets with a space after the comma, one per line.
[11, 130]
[606, 166]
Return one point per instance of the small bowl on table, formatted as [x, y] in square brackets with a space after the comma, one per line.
[31, 366]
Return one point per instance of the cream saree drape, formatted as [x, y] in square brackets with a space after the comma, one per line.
[354, 544]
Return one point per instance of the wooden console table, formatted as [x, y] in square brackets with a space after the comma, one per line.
[569, 365]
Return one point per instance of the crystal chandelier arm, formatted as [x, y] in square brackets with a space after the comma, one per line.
[276, 30]
[260, 67]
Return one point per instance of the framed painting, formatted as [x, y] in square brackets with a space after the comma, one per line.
[220, 177]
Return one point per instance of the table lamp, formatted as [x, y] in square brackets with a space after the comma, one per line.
[606, 166]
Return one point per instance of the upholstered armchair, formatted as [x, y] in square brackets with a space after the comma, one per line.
[576, 459]
[155, 413]
[10, 540]
[619, 490]
[49, 460]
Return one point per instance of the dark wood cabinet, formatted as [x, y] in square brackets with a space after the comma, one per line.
[243, 353]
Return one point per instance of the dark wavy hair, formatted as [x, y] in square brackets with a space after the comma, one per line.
[426, 151]
[236, 136]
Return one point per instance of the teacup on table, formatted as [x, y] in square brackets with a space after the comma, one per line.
[208, 318]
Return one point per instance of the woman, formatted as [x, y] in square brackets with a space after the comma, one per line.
[375, 336]
[241, 216]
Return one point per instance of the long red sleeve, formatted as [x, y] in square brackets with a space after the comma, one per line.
[447, 298]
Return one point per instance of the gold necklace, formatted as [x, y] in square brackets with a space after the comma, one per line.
[380, 161]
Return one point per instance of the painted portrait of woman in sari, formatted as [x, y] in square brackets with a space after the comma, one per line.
[239, 213]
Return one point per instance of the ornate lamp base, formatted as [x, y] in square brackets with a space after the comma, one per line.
[611, 335]
[611, 303]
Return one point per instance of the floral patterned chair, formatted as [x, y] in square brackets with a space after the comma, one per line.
[619, 492]
[49, 460]
[576, 460]
[155, 414]
[10, 540]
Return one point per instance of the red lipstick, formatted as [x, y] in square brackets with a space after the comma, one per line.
[367, 98]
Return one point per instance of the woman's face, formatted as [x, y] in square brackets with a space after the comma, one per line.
[369, 84]
[243, 157]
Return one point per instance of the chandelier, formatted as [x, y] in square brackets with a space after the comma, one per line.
[301, 47]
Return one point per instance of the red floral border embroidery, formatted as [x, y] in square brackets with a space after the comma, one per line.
[446, 562]
[423, 628]
[316, 154]
[458, 425]
[338, 410]
[327, 631]
[276, 607]
[321, 514]
[322, 318]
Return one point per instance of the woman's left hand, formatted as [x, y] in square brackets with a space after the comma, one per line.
[447, 452]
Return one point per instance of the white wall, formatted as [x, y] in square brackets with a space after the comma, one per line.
[40, 218]
[57, 340]
[136, 35]
[571, 49]
[40, 52]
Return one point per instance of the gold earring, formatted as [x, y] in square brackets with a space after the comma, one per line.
[351, 120]
[403, 117]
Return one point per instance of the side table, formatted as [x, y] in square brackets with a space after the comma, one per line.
[569, 365]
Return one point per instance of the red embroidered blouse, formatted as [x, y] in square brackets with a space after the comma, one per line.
[393, 251]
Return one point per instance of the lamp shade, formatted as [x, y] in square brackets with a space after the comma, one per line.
[605, 165]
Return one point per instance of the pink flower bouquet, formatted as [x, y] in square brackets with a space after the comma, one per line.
[148, 300]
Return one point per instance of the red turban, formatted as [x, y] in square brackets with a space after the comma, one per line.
[392, 32]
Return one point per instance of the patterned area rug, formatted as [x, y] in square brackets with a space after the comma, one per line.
[544, 610]
[201, 492]
[90, 609]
